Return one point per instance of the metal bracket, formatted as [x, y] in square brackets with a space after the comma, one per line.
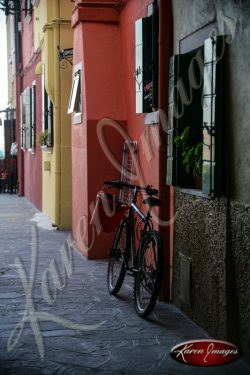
[137, 72]
[65, 56]
[209, 129]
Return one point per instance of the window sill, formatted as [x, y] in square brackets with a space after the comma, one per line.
[192, 191]
[77, 118]
[47, 149]
[32, 151]
[152, 118]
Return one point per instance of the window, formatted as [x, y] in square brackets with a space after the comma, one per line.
[33, 117]
[48, 119]
[194, 118]
[28, 116]
[146, 62]
[75, 95]
[27, 10]
[75, 101]
[26, 119]
[47, 113]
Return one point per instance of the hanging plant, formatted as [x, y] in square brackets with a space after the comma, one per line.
[42, 138]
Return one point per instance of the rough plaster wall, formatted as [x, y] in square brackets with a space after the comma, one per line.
[200, 234]
[215, 235]
[199, 12]
[239, 273]
[237, 96]
[233, 18]
[217, 240]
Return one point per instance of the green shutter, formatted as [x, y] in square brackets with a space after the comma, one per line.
[33, 117]
[211, 171]
[171, 129]
[28, 116]
[23, 138]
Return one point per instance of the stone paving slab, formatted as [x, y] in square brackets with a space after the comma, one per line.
[79, 329]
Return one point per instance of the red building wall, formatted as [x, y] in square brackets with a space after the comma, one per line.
[102, 97]
[136, 128]
[31, 165]
[104, 40]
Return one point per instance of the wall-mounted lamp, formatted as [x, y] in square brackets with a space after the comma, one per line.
[65, 56]
[11, 7]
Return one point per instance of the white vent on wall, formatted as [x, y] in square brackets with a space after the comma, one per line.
[185, 273]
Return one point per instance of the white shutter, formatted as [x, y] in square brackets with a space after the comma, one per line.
[139, 65]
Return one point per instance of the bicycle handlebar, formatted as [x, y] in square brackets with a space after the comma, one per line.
[121, 184]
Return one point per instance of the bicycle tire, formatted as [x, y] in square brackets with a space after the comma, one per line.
[148, 277]
[119, 255]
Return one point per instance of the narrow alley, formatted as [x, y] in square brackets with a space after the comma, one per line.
[79, 329]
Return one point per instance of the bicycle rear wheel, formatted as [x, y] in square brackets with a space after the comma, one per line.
[148, 278]
[118, 257]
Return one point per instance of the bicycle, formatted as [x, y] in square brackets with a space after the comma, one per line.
[144, 263]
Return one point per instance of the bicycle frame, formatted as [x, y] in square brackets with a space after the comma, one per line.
[131, 222]
[147, 260]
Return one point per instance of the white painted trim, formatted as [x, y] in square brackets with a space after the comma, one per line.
[152, 118]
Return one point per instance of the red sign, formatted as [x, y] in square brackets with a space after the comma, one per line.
[205, 352]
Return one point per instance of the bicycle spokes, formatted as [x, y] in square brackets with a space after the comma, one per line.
[117, 259]
[147, 280]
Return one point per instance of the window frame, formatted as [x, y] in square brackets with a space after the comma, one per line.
[28, 10]
[146, 60]
[33, 118]
[25, 101]
[47, 113]
[75, 99]
[211, 169]
[75, 93]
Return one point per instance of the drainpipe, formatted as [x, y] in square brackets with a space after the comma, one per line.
[57, 118]
[167, 193]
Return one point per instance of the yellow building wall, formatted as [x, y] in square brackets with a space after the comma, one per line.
[56, 191]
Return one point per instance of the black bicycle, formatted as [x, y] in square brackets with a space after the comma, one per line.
[145, 262]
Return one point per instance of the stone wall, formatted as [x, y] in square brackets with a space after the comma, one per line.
[214, 235]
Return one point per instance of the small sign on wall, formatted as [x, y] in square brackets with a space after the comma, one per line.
[46, 165]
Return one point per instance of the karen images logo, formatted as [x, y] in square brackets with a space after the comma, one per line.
[205, 353]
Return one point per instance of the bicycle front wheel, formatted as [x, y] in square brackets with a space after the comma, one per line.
[148, 278]
[118, 257]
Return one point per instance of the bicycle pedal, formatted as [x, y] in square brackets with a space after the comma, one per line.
[136, 271]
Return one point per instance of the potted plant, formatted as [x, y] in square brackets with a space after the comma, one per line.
[42, 138]
[191, 152]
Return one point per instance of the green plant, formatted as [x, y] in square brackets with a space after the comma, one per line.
[42, 138]
[191, 151]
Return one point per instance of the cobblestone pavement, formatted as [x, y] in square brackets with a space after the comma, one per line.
[81, 329]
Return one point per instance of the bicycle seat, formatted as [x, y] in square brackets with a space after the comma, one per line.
[152, 201]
